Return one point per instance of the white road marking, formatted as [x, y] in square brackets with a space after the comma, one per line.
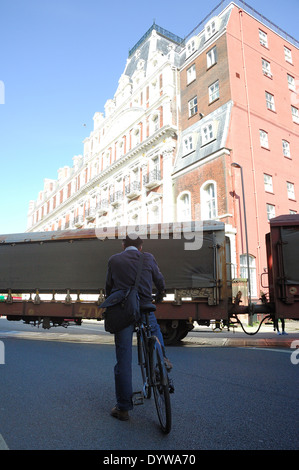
[288, 351]
[3, 445]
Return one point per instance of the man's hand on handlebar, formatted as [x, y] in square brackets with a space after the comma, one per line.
[158, 297]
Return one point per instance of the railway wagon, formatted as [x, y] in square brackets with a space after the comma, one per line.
[282, 243]
[60, 276]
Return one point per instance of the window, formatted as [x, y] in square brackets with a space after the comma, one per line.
[288, 54]
[214, 91]
[270, 101]
[211, 57]
[191, 74]
[263, 38]
[106, 160]
[211, 28]
[207, 133]
[264, 139]
[208, 201]
[291, 83]
[155, 121]
[252, 272]
[268, 183]
[136, 136]
[295, 114]
[120, 147]
[155, 164]
[191, 47]
[270, 211]
[292, 212]
[135, 176]
[286, 149]
[266, 68]
[291, 190]
[192, 105]
[188, 144]
[184, 207]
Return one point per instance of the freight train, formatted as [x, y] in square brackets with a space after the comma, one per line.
[52, 278]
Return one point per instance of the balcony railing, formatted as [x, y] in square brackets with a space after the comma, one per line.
[152, 179]
[90, 213]
[78, 221]
[102, 207]
[132, 190]
[116, 198]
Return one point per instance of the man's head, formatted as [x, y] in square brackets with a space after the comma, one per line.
[132, 240]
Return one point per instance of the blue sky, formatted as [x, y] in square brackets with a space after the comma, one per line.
[60, 60]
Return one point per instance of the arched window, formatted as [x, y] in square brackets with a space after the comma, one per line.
[252, 272]
[208, 198]
[184, 207]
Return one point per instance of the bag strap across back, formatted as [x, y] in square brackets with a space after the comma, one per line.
[139, 270]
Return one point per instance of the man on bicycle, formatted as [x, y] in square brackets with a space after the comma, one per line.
[121, 274]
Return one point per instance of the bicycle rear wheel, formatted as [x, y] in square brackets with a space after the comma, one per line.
[144, 366]
[160, 386]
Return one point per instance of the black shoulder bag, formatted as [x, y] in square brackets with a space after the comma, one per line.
[122, 306]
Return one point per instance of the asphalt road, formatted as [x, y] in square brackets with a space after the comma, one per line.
[56, 393]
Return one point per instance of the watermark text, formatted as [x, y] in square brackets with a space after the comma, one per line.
[295, 354]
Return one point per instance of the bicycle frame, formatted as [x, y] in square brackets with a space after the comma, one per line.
[154, 374]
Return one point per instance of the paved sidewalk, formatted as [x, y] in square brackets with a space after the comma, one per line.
[235, 337]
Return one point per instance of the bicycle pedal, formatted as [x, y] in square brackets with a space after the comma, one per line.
[138, 398]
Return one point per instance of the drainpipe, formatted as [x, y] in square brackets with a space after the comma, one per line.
[251, 146]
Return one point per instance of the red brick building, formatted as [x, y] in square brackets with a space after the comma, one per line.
[239, 103]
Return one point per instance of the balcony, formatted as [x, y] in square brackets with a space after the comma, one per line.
[102, 207]
[78, 221]
[116, 198]
[132, 190]
[152, 179]
[90, 214]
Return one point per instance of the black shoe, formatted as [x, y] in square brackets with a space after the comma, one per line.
[123, 415]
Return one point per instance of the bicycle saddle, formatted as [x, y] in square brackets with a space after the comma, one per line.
[147, 308]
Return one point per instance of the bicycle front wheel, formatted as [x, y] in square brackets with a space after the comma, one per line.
[160, 386]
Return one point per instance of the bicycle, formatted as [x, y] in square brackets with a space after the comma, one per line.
[153, 371]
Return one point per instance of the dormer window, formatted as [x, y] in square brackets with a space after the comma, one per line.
[192, 46]
[189, 143]
[209, 132]
[211, 27]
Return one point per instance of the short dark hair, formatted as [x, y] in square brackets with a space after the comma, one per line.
[132, 240]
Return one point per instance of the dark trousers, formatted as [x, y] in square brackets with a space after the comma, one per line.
[123, 366]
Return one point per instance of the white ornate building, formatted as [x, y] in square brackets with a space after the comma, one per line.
[124, 175]
[188, 117]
